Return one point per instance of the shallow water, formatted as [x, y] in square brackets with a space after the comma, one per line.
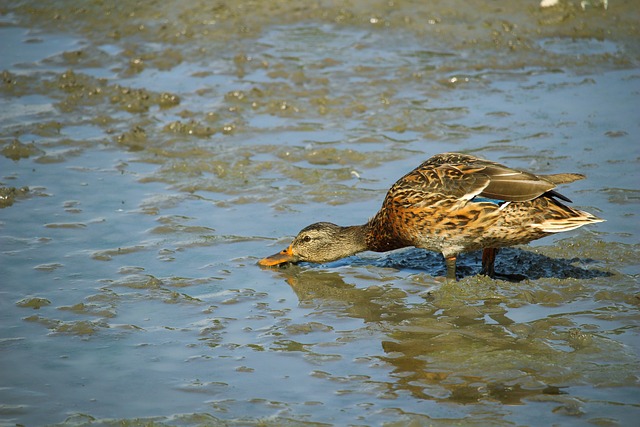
[150, 156]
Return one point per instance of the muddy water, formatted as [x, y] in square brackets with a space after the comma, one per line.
[151, 154]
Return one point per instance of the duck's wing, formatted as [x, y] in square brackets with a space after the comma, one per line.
[563, 178]
[465, 177]
[509, 184]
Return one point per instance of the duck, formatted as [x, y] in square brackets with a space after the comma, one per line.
[452, 203]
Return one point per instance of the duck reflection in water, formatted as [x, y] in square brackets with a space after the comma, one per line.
[440, 350]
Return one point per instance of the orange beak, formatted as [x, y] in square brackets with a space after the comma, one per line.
[281, 257]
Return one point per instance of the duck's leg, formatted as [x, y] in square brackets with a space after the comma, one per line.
[488, 261]
[450, 262]
[488, 267]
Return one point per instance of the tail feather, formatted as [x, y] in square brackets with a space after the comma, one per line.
[568, 223]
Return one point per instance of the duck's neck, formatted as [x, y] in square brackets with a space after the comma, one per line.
[351, 240]
[366, 237]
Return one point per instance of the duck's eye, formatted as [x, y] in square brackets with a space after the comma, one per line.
[306, 239]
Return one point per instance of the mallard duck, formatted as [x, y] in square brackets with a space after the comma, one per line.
[451, 203]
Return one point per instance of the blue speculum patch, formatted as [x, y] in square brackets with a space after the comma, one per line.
[477, 199]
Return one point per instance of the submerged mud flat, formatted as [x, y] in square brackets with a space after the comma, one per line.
[151, 154]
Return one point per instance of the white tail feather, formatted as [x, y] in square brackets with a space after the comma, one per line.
[569, 223]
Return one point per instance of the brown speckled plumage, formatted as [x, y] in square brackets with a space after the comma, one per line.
[451, 203]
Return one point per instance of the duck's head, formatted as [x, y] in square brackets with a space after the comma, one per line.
[318, 243]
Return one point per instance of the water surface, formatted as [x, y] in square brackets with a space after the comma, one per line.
[152, 154]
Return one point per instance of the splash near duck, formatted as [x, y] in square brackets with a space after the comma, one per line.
[451, 203]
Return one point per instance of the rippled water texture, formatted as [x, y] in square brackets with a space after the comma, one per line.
[152, 153]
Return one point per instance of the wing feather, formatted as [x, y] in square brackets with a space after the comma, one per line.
[464, 176]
